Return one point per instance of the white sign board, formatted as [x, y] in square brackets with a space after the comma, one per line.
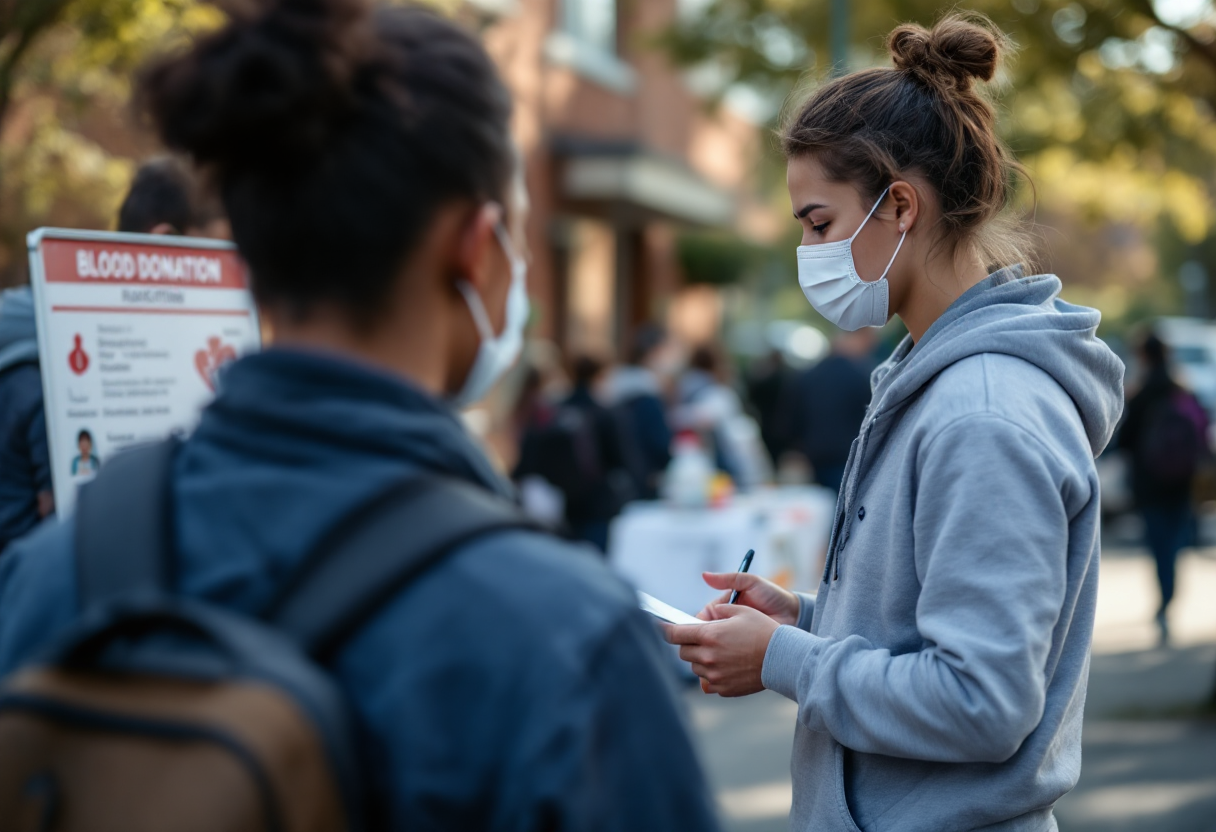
[132, 329]
[662, 550]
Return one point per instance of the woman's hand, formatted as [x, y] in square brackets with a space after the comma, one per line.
[779, 604]
[727, 651]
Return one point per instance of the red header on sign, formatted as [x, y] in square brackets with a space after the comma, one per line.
[102, 263]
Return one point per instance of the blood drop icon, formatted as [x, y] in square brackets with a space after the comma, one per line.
[78, 359]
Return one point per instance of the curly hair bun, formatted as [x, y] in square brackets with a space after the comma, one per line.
[266, 89]
[954, 52]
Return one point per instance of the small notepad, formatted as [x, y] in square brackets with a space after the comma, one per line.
[665, 612]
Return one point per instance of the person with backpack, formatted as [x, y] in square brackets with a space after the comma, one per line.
[635, 393]
[321, 610]
[709, 405]
[577, 447]
[940, 670]
[1165, 437]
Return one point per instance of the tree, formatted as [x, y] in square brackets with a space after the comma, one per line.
[69, 141]
[21, 23]
[68, 137]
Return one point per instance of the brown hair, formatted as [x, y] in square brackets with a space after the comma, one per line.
[926, 116]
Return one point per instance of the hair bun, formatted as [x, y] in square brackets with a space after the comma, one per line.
[268, 88]
[957, 50]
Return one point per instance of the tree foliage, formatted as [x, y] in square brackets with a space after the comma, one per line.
[1110, 102]
[69, 141]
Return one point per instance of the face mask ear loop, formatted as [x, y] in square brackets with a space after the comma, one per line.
[872, 210]
[891, 262]
[504, 240]
[478, 310]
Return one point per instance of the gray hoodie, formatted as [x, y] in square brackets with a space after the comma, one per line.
[940, 676]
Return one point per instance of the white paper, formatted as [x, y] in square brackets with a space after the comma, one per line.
[665, 612]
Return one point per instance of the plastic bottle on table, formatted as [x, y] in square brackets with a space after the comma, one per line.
[689, 474]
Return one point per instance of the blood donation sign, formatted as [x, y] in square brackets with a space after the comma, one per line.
[132, 331]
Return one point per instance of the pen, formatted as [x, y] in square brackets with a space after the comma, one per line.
[743, 567]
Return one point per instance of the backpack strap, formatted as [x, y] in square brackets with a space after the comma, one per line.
[377, 550]
[124, 526]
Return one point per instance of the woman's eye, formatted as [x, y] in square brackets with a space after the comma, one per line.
[819, 229]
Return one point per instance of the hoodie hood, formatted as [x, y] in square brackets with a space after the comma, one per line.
[294, 441]
[1022, 316]
[287, 402]
[18, 335]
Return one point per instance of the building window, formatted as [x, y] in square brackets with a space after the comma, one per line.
[591, 22]
[585, 39]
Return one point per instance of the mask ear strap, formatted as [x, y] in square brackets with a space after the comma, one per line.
[504, 240]
[478, 310]
[891, 262]
[886, 191]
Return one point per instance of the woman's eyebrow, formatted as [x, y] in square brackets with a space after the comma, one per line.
[806, 209]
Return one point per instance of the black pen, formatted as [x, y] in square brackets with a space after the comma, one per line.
[743, 567]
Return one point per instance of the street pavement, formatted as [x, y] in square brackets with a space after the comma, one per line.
[1149, 753]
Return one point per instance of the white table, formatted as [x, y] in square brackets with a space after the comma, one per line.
[663, 550]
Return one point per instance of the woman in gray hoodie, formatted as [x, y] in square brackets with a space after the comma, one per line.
[940, 671]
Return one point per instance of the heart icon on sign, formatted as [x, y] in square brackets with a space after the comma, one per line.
[209, 361]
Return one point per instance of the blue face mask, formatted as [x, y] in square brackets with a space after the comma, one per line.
[496, 353]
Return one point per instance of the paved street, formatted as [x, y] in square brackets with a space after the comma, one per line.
[1149, 757]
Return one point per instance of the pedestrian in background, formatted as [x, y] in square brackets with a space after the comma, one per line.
[167, 198]
[768, 390]
[1165, 438]
[634, 392]
[827, 404]
[940, 670]
[25, 466]
[710, 406]
[162, 199]
[605, 484]
[368, 172]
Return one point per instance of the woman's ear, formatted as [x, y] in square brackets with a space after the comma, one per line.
[907, 205]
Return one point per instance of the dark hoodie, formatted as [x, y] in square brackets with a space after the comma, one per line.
[513, 687]
[25, 467]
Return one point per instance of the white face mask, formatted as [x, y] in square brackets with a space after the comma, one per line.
[496, 353]
[829, 279]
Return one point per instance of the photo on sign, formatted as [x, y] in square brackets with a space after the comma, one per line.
[86, 463]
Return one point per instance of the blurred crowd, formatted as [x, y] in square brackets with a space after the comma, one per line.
[685, 423]
[587, 435]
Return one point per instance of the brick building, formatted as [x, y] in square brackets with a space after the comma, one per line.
[621, 156]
